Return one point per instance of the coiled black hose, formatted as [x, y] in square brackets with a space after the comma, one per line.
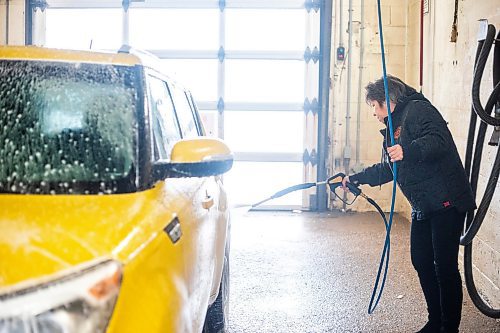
[478, 75]
[468, 269]
[472, 122]
[473, 222]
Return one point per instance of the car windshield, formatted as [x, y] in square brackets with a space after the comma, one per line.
[66, 127]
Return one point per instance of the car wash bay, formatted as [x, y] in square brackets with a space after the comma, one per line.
[263, 83]
[314, 272]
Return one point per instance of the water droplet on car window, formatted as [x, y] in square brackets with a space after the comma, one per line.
[63, 125]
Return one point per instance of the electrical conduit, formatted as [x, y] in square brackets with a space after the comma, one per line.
[347, 148]
[360, 77]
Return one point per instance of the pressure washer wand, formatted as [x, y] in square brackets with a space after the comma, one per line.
[333, 182]
[288, 190]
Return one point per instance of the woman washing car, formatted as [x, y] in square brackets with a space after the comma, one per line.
[432, 178]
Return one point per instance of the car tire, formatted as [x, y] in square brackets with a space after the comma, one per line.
[217, 318]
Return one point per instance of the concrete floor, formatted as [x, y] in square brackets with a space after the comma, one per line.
[315, 273]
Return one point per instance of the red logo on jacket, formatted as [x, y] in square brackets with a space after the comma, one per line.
[397, 132]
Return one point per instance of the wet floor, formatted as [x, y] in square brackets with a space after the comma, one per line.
[311, 272]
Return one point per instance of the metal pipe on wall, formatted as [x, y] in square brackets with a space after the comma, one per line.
[360, 76]
[324, 95]
[7, 14]
[35, 22]
[347, 154]
[341, 23]
[347, 149]
[28, 23]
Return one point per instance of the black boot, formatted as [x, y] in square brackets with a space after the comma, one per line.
[430, 327]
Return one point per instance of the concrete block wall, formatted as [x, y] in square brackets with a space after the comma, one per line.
[448, 81]
[15, 22]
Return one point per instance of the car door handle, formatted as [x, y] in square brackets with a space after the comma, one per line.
[207, 202]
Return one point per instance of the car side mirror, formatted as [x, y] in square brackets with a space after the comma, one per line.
[200, 157]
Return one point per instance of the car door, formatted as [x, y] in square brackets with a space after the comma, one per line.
[214, 198]
[193, 200]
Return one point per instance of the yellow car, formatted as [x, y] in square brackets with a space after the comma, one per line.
[113, 216]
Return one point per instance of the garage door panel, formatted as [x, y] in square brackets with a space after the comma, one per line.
[264, 80]
[254, 131]
[63, 25]
[200, 75]
[277, 29]
[185, 29]
[251, 182]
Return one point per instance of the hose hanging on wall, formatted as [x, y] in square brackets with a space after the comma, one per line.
[482, 53]
[473, 222]
[484, 114]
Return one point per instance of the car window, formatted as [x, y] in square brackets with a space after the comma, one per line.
[164, 122]
[66, 127]
[184, 112]
[196, 113]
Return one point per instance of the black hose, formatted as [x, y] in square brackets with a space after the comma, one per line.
[470, 140]
[478, 152]
[473, 228]
[496, 61]
[472, 122]
[473, 223]
[374, 204]
[478, 74]
[471, 287]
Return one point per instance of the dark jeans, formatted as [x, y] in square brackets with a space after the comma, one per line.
[434, 254]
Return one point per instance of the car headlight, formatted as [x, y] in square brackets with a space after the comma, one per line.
[81, 301]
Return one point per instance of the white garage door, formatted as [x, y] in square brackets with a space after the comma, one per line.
[252, 67]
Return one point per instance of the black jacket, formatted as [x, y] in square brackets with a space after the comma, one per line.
[431, 174]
